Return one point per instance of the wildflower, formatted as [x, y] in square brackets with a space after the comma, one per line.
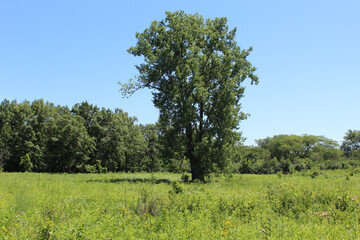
[227, 222]
[324, 214]
[354, 198]
[262, 230]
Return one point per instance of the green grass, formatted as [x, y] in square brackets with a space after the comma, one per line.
[146, 206]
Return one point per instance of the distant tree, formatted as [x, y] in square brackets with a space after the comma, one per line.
[90, 114]
[57, 139]
[16, 132]
[351, 143]
[92, 117]
[249, 159]
[110, 139]
[151, 161]
[196, 70]
[293, 146]
[4, 154]
[68, 145]
[41, 113]
[134, 146]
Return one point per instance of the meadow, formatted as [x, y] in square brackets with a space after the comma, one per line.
[162, 206]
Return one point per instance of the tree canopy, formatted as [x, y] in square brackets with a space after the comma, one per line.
[351, 143]
[42, 137]
[195, 69]
[293, 146]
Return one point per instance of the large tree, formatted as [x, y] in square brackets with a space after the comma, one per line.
[195, 69]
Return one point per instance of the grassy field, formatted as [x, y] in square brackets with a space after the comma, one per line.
[160, 206]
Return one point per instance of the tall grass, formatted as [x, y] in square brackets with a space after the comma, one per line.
[160, 206]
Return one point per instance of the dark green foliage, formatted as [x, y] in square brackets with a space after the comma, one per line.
[41, 137]
[351, 144]
[290, 153]
[176, 187]
[69, 145]
[292, 146]
[314, 174]
[185, 178]
[151, 161]
[4, 154]
[195, 70]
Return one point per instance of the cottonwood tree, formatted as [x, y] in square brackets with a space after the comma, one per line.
[195, 69]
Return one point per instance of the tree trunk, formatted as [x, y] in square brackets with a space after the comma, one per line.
[197, 172]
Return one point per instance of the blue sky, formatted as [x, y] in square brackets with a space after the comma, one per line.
[307, 54]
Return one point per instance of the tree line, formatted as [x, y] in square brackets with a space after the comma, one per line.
[41, 137]
[290, 153]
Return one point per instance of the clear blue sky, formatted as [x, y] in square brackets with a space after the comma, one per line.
[307, 54]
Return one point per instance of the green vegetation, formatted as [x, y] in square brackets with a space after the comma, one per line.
[41, 137]
[290, 153]
[161, 206]
[196, 71]
[351, 144]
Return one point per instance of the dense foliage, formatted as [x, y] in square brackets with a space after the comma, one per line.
[195, 69]
[42, 137]
[351, 144]
[290, 153]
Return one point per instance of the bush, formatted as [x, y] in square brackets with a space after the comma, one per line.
[314, 174]
[25, 163]
[176, 187]
[185, 178]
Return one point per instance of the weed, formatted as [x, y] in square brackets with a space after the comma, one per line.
[176, 187]
[314, 174]
[185, 178]
[147, 204]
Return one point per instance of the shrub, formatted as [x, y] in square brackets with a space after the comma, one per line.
[25, 163]
[185, 178]
[314, 174]
[176, 187]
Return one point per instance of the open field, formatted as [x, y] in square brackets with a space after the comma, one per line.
[146, 206]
